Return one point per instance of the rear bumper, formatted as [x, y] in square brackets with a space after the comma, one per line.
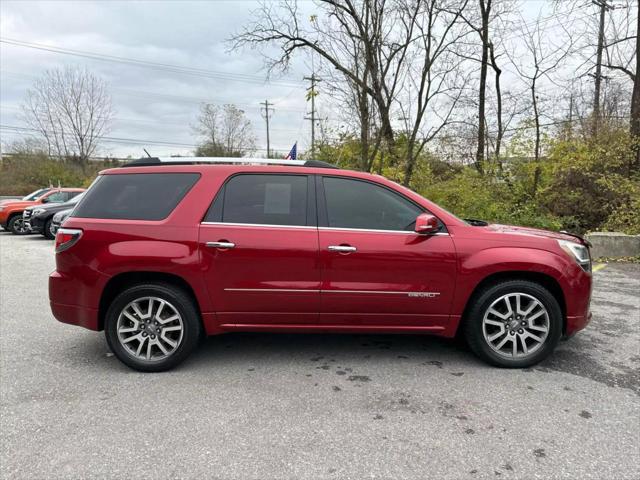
[75, 315]
[71, 302]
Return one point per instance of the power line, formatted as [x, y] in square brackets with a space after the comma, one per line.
[117, 140]
[198, 72]
[147, 122]
[172, 97]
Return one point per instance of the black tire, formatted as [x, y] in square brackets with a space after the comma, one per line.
[46, 231]
[180, 300]
[14, 225]
[473, 323]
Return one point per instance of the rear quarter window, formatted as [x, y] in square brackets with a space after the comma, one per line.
[135, 196]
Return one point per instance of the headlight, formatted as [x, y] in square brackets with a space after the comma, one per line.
[37, 212]
[578, 252]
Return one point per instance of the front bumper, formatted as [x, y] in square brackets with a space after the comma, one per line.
[577, 289]
[577, 323]
[34, 224]
[55, 226]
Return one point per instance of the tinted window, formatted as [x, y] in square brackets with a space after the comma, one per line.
[36, 195]
[57, 197]
[357, 204]
[262, 199]
[135, 196]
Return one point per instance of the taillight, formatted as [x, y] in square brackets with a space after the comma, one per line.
[67, 238]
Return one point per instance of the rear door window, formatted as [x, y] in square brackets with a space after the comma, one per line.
[262, 200]
[135, 196]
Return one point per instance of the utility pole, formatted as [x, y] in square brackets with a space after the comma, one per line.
[266, 108]
[311, 93]
[598, 76]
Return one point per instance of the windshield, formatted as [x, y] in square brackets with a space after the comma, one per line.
[35, 195]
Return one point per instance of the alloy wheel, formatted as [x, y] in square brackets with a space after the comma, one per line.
[516, 325]
[19, 227]
[150, 328]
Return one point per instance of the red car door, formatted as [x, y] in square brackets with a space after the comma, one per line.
[259, 247]
[375, 269]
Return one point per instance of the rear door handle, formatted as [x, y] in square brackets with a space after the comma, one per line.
[221, 244]
[341, 248]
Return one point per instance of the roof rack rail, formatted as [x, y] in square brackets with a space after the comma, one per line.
[156, 161]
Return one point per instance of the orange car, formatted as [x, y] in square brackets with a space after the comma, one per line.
[11, 210]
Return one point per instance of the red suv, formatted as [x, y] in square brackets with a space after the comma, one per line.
[159, 253]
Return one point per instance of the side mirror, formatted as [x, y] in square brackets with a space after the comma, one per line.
[45, 200]
[426, 223]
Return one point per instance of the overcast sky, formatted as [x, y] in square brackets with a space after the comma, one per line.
[154, 106]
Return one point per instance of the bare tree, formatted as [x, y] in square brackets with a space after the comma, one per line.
[434, 80]
[381, 46]
[501, 129]
[387, 53]
[481, 27]
[544, 56]
[357, 110]
[71, 109]
[635, 99]
[225, 131]
[622, 54]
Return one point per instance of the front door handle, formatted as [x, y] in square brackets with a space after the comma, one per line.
[341, 248]
[221, 244]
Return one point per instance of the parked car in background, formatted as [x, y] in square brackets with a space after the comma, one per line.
[159, 253]
[11, 210]
[39, 218]
[58, 220]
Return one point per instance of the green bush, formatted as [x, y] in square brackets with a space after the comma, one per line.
[471, 195]
[22, 174]
[626, 217]
[589, 180]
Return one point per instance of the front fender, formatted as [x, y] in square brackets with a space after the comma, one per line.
[475, 267]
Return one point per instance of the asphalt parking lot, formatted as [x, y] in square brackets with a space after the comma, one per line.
[312, 406]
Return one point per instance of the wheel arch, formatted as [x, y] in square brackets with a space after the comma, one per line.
[543, 279]
[15, 213]
[120, 282]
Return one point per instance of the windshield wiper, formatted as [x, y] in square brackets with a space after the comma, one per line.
[475, 222]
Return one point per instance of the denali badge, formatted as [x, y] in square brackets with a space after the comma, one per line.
[424, 294]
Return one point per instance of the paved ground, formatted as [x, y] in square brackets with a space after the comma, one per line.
[312, 406]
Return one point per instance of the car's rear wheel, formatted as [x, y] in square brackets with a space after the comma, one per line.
[515, 324]
[17, 226]
[152, 327]
[47, 231]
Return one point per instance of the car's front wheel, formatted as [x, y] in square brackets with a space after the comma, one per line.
[152, 327]
[17, 226]
[515, 323]
[48, 231]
